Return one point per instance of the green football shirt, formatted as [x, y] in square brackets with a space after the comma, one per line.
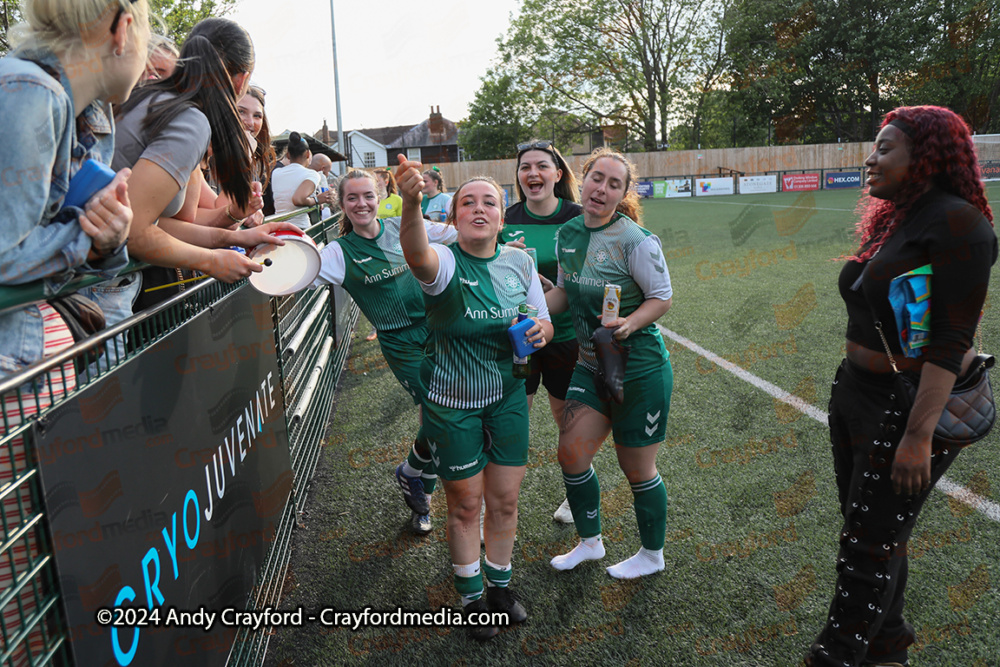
[540, 233]
[470, 306]
[619, 253]
[376, 276]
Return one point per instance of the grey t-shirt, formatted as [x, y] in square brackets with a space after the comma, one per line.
[178, 149]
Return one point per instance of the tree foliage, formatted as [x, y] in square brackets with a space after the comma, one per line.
[499, 118]
[179, 16]
[828, 70]
[620, 62]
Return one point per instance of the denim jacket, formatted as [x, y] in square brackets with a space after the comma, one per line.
[42, 145]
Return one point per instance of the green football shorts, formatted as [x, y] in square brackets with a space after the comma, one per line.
[641, 419]
[456, 437]
[404, 351]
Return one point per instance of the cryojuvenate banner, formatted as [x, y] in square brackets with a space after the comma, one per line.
[164, 484]
[714, 186]
[644, 189]
[753, 184]
[674, 187]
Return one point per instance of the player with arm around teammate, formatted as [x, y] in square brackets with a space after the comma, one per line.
[548, 194]
[606, 246]
[475, 410]
[368, 261]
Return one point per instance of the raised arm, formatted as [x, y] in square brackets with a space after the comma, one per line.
[417, 250]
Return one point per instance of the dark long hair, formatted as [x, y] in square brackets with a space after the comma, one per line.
[216, 50]
[297, 146]
[941, 154]
[566, 188]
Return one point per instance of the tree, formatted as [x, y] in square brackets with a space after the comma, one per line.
[827, 70]
[499, 119]
[179, 16]
[11, 11]
[623, 61]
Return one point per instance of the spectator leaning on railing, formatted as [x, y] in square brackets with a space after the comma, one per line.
[56, 110]
[56, 91]
[165, 131]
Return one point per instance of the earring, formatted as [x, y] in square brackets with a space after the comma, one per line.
[119, 53]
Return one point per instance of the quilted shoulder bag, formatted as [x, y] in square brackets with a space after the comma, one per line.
[970, 412]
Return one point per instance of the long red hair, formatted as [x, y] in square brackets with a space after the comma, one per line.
[941, 154]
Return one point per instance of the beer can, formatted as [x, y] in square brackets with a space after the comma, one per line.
[612, 302]
[533, 254]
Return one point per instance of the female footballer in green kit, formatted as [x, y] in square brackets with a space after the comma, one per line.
[475, 410]
[548, 192]
[606, 246]
[368, 261]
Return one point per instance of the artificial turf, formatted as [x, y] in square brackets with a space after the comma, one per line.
[752, 507]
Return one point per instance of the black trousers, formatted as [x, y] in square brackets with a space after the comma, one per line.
[865, 621]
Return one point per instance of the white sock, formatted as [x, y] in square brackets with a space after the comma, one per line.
[589, 548]
[642, 563]
[409, 470]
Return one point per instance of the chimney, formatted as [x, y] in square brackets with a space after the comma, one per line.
[435, 125]
[326, 133]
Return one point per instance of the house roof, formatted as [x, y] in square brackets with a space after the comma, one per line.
[382, 135]
[421, 135]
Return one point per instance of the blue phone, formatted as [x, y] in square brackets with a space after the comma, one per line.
[92, 177]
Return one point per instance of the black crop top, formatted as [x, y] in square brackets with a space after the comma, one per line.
[952, 236]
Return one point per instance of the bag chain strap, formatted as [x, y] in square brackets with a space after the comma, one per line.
[885, 343]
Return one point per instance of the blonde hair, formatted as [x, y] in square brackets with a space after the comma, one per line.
[61, 25]
[629, 205]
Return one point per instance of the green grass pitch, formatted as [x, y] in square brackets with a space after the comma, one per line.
[752, 512]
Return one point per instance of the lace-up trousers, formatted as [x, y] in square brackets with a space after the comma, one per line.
[865, 622]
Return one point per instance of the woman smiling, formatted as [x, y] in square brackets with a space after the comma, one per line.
[475, 411]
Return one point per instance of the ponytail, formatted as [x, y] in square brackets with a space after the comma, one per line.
[215, 51]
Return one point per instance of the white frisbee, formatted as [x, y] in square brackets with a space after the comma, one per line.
[294, 266]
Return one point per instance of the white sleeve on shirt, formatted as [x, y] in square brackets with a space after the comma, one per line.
[560, 276]
[333, 267]
[536, 298]
[649, 269]
[440, 233]
[446, 270]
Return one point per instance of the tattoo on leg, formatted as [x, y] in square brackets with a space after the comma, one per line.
[571, 412]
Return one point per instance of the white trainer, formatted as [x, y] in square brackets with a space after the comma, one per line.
[564, 514]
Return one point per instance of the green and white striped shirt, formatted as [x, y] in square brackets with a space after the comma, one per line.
[619, 253]
[470, 306]
[375, 274]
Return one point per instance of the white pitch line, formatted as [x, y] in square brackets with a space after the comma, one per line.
[946, 486]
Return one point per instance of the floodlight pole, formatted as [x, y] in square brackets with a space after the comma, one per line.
[336, 88]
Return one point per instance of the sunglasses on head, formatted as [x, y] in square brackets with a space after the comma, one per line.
[540, 145]
[118, 16]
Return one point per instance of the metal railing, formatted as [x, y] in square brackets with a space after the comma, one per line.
[33, 628]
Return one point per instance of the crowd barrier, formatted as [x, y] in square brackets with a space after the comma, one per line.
[169, 477]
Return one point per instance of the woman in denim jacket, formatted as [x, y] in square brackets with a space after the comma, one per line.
[56, 90]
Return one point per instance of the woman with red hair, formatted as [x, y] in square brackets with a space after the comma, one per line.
[926, 207]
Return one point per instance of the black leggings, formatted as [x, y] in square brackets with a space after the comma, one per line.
[865, 621]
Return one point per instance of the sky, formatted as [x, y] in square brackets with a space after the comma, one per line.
[396, 59]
